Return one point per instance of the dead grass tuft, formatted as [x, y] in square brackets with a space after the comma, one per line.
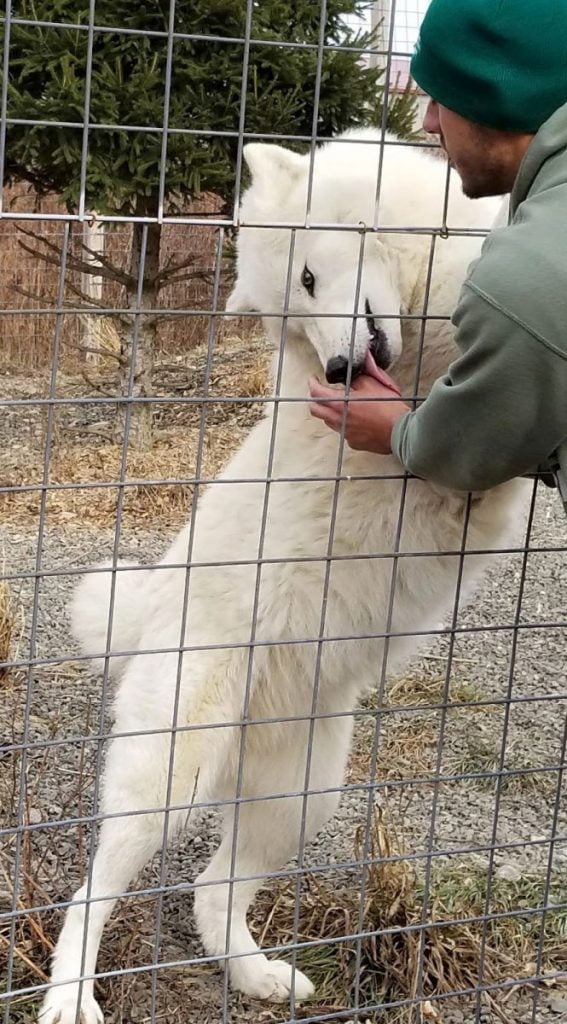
[74, 465]
[403, 961]
[480, 753]
[102, 338]
[11, 614]
[160, 483]
[406, 751]
[6, 626]
[409, 691]
[393, 959]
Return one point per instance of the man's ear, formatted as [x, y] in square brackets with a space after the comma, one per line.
[273, 166]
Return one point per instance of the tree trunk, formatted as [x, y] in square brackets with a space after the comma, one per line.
[138, 343]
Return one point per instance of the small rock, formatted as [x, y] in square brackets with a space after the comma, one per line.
[509, 873]
[430, 1011]
[480, 862]
[98, 425]
[34, 816]
[558, 1005]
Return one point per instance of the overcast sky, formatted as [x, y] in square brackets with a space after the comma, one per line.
[407, 20]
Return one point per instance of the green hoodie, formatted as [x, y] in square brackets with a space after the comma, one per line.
[501, 409]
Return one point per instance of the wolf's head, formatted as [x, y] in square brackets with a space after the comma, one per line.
[338, 287]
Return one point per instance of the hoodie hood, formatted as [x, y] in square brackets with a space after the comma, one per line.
[543, 165]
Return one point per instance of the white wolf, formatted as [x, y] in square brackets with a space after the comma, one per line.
[232, 605]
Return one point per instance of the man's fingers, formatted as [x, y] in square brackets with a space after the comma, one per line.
[330, 414]
[318, 390]
[328, 404]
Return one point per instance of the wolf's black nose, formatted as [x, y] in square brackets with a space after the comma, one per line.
[336, 370]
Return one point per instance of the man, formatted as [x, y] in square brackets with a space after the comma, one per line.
[497, 77]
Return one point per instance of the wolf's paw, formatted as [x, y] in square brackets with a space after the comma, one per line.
[269, 979]
[60, 1007]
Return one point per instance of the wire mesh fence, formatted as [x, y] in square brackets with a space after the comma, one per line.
[332, 715]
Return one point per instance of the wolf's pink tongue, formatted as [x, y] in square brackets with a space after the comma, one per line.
[373, 370]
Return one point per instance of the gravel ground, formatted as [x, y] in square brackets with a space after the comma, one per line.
[64, 701]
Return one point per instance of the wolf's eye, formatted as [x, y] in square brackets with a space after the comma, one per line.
[308, 280]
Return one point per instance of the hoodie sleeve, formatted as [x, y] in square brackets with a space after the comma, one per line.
[500, 410]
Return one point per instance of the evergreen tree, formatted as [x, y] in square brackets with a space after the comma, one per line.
[129, 72]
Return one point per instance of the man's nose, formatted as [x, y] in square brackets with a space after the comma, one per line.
[431, 120]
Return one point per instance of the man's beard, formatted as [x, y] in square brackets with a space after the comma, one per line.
[487, 182]
[487, 179]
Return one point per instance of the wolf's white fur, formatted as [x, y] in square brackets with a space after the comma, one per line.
[291, 519]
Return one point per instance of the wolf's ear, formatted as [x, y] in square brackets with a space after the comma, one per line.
[239, 301]
[267, 162]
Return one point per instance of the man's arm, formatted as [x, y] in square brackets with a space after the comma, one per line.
[499, 411]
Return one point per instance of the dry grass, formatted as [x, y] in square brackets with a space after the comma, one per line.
[480, 753]
[390, 967]
[408, 743]
[440, 959]
[11, 622]
[401, 963]
[428, 690]
[52, 866]
[173, 457]
[406, 751]
[86, 453]
[7, 623]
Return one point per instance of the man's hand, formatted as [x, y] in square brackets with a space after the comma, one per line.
[368, 424]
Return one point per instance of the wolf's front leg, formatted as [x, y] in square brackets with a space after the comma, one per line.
[134, 782]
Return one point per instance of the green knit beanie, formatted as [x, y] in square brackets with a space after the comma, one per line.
[501, 63]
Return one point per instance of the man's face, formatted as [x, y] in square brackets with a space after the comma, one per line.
[486, 160]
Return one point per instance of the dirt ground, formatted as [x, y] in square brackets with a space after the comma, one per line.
[443, 787]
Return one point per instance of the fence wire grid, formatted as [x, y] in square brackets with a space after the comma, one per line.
[277, 624]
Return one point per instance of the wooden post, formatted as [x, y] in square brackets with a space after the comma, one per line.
[91, 285]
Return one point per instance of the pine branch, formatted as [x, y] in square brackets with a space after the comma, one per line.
[165, 314]
[123, 174]
[55, 261]
[126, 279]
[197, 275]
[98, 387]
[94, 351]
[110, 272]
[168, 270]
[43, 299]
[46, 300]
[39, 238]
[97, 304]
[38, 180]
[107, 353]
